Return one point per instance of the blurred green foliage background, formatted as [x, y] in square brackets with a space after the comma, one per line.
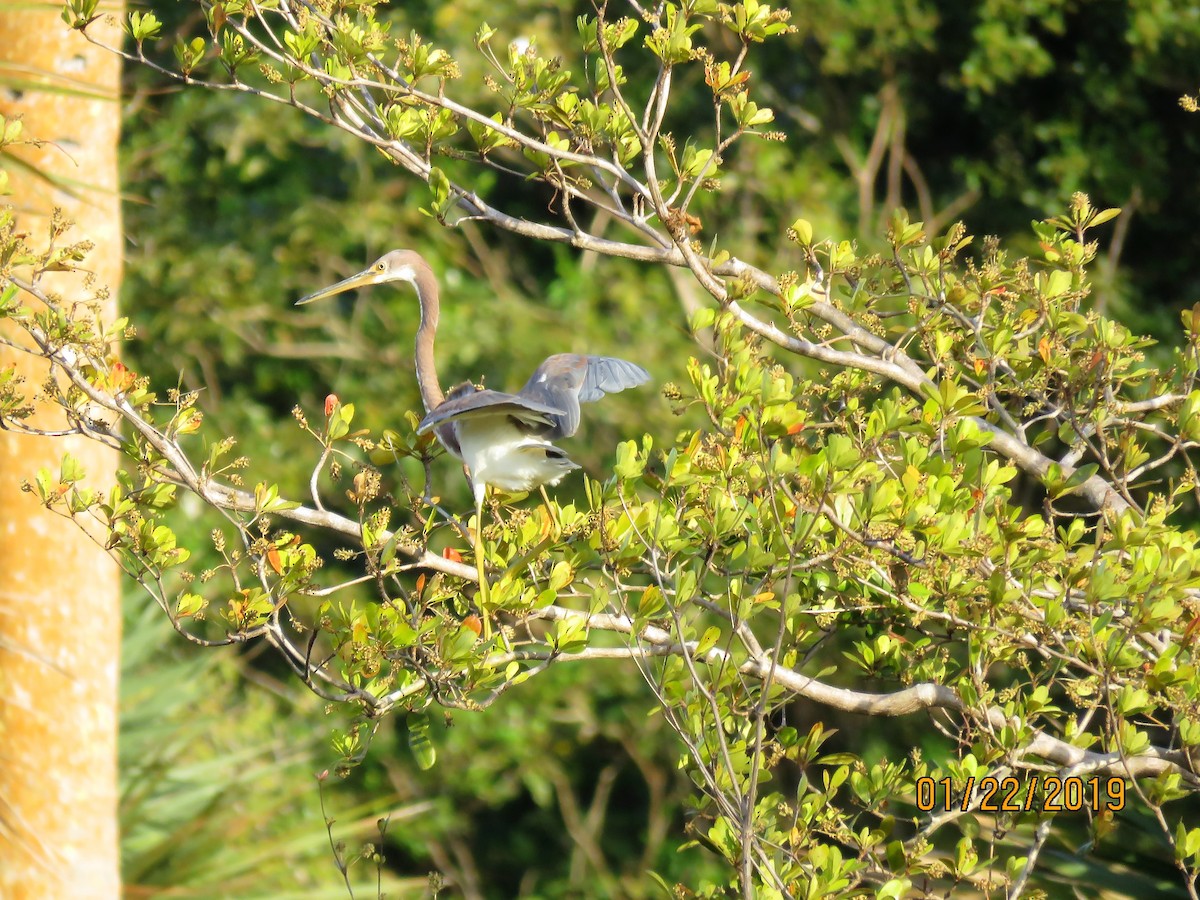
[993, 112]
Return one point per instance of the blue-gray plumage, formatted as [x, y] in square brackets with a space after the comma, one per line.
[566, 379]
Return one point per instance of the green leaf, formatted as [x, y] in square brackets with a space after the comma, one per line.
[144, 26]
[419, 741]
[189, 54]
[443, 197]
[561, 576]
[630, 464]
[894, 889]
[712, 634]
[1103, 216]
[72, 470]
[80, 13]
[43, 481]
[650, 603]
[189, 604]
[1058, 283]
[803, 231]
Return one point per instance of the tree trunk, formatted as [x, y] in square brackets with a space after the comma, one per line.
[60, 617]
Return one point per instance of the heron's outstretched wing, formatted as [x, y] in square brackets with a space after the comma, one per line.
[566, 379]
[471, 403]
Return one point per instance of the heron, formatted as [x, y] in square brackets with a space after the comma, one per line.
[505, 440]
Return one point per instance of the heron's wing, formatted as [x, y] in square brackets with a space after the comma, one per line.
[538, 416]
[608, 375]
[566, 379]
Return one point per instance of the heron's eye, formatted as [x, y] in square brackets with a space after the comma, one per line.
[379, 267]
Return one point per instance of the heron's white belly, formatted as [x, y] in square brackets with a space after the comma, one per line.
[499, 455]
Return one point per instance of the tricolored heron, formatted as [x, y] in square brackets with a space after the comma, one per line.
[505, 440]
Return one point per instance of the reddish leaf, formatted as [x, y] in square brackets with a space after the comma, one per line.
[122, 377]
[1044, 349]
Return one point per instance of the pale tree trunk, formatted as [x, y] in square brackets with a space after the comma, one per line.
[60, 621]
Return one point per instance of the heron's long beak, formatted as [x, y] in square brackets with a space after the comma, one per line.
[363, 278]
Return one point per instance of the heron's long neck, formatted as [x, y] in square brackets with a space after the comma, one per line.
[427, 378]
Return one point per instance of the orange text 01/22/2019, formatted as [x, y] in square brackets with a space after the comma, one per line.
[1043, 793]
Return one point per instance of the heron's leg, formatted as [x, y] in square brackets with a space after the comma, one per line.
[485, 613]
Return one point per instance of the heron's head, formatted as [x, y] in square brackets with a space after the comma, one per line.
[398, 265]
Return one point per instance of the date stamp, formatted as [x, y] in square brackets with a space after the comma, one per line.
[1043, 793]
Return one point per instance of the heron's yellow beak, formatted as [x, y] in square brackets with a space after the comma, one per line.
[362, 279]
